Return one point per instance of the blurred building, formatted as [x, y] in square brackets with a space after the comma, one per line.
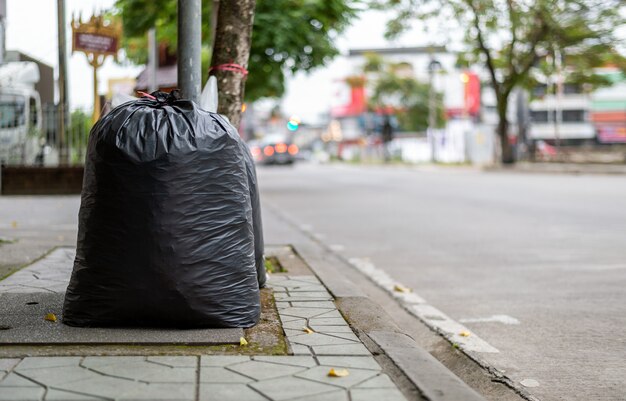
[460, 88]
[166, 73]
[608, 109]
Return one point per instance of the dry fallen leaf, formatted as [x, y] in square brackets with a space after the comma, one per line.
[51, 317]
[338, 372]
[242, 341]
[464, 334]
[401, 288]
[307, 330]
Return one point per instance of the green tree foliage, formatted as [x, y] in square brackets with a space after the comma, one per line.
[288, 35]
[393, 84]
[517, 40]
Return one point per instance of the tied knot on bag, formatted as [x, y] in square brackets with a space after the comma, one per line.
[162, 97]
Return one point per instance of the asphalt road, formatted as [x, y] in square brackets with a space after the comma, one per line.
[546, 250]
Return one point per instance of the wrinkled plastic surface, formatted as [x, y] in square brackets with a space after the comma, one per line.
[170, 230]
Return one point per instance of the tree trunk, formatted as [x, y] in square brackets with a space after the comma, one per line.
[232, 46]
[502, 131]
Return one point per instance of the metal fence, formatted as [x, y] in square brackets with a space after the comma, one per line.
[35, 139]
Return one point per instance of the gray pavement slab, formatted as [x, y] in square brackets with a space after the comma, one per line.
[176, 378]
[24, 314]
[228, 392]
[28, 295]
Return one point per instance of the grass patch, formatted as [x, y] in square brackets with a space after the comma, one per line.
[5, 240]
[272, 265]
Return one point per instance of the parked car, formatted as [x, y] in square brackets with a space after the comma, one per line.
[273, 149]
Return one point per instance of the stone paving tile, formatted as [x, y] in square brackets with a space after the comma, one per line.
[282, 305]
[21, 393]
[286, 319]
[339, 395]
[380, 381]
[331, 329]
[305, 312]
[99, 361]
[59, 395]
[313, 304]
[298, 349]
[49, 274]
[360, 362]
[102, 386]
[175, 361]
[332, 314]
[303, 296]
[344, 336]
[7, 364]
[162, 391]
[320, 374]
[290, 333]
[214, 374]
[15, 380]
[259, 370]
[58, 375]
[222, 360]
[148, 372]
[327, 321]
[285, 388]
[228, 392]
[295, 324]
[305, 288]
[317, 339]
[49, 362]
[349, 349]
[304, 361]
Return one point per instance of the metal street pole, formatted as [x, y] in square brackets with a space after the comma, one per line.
[3, 20]
[62, 82]
[433, 66]
[189, 28]
[153, 61]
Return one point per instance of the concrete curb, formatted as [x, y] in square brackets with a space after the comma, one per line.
[560, 168]
[432, 379]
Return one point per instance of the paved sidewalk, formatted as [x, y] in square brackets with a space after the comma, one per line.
[303, 303]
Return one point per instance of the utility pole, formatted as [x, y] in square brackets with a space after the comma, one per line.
[153, 61]
[433, 67]
[558, 112]
[3, 22]
[62, 82]
[189, 36]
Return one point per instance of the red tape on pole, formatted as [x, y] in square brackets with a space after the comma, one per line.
[230, 67]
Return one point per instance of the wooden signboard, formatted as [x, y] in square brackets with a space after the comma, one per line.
[98, 38]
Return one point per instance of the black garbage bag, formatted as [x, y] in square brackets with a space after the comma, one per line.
[170, 229]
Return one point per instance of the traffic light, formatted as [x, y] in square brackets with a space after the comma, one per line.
[293, 123]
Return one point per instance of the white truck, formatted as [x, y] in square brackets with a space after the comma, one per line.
[20, 114]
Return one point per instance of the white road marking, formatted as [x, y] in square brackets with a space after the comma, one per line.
[504, 319]
[337, 247]
[431, 316]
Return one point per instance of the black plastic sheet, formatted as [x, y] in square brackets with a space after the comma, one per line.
[170, 230]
